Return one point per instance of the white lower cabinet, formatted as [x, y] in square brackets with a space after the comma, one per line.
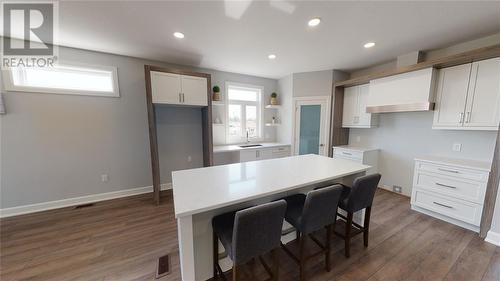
[450, 189]
[264, 153]
[367, 156]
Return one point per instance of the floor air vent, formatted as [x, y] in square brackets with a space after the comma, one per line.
[163, 266]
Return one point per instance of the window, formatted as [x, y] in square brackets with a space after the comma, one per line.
[64, 79]
[244, 110]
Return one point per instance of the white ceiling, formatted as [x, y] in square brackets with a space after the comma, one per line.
[238, 36]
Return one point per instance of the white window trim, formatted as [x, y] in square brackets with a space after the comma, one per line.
[9, 83]
[260, 113]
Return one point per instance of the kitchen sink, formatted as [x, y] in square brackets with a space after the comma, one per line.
[250, 145]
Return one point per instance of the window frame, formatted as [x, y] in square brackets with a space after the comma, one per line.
[10, 86]
[260, 112]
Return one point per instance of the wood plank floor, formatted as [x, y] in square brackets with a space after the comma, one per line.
[122, 239]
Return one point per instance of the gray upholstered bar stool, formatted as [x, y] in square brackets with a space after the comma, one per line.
[356, 198]
[247, 234]
[309, 213]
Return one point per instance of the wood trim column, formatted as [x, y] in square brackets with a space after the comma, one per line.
[153, 141]
[491, 191]
[338, 135]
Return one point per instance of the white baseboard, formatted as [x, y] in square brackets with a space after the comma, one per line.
[493, 238]
[38, 207]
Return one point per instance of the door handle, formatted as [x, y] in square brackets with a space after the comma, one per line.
[443, 205]
[449, 171]
[183, 98]
[461, 117]
[180, 97]
[445, 185]
[321, 145]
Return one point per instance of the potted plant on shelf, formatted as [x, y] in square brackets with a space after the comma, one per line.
[216, 95]
[274, 99]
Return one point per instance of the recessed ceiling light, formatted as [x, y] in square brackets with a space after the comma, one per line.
[179, 35]
[369, 45]
[271, 56]
[314, 21]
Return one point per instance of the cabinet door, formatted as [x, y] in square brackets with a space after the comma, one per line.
[483, 101]
[266, 153]
[248, 155]
[364, 118]
[165, 87]
[194, 90]
[350, 111]
[451, 96]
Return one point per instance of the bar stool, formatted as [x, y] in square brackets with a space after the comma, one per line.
[247, 234]
[309, 213]
[356, 198]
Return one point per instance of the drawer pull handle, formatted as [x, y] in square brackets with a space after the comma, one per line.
[346, 153]
[443, 205]
[449, 171]
[445, 185]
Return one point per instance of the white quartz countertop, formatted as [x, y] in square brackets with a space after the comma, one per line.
[209, 188]
[464, 163]
[356, 148]
[236, 147]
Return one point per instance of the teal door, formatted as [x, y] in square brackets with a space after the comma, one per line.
[310, 129]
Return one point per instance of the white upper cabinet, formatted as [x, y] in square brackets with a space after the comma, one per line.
[166, 87]
[170, 88]
[364, 118]
[451, 96]
[350, 106]
[354, 111]
[468, 96]
[483, 102]
[194, 90]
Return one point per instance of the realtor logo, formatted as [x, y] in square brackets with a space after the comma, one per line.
[29, 33]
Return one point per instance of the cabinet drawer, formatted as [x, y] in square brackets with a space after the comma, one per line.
[347, 153]
[451, 186]
[357, 160]
[453, 171]
[279, 152]
[280, 149]
[457, 209]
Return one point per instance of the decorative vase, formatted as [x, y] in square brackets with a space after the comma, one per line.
[274, 101]
[216, 96]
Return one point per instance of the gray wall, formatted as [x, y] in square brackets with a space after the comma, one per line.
[316, 83]
[403, 136]
[285, 91]
[57, 146]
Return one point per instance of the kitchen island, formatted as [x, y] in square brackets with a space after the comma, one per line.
[200, 194]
